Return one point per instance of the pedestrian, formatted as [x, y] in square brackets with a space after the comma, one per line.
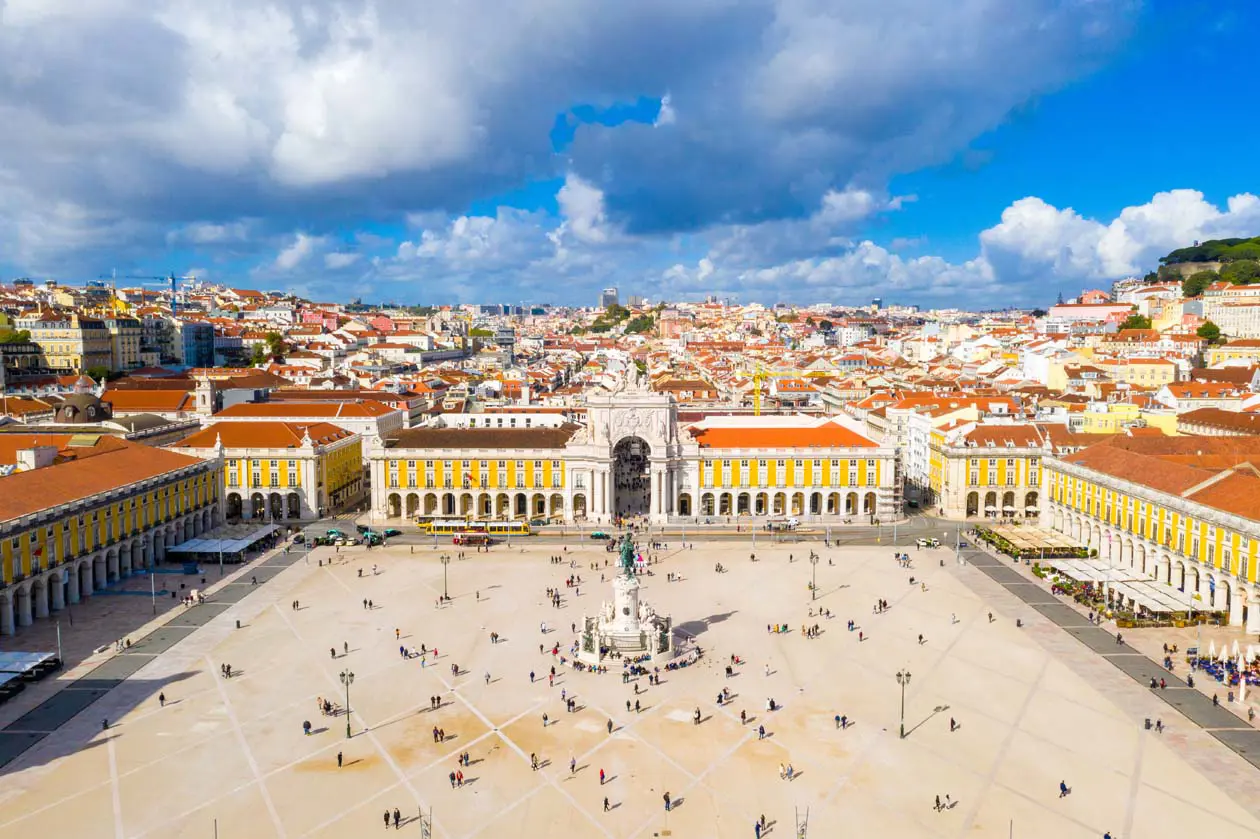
[844, 721]
[1063, 789]
[610, 726]
[345, 645]
[487, 677]
[756, 830]
[531, 677]
[937, 808]
[338, 760]
[544, 720]
[837, 720]
[397, 818]
[451, 777]
[459, 777]
[761, 732]
[533, 761]
[601, 777]
[387, 819]
[162, 699]
[605, 804]
[666, 797]
[397, 633]
[952, 725]
[572, 764]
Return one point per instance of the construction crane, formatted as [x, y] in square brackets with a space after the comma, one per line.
[173, 280]
[759, 376]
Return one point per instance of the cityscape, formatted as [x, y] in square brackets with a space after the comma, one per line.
[445, 488]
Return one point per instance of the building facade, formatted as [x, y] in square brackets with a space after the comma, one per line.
[68, 342]
[1185, 510]
[986, 470]
[92, 514]
[630, 458]
[282, 471]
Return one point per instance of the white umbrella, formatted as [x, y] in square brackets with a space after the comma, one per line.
[1211, 650]
[1236, 654]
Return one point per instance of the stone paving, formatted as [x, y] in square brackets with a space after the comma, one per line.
[1035, 707]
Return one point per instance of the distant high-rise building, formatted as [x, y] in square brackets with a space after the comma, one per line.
[877, 303]
[608, 297]
[635, 300]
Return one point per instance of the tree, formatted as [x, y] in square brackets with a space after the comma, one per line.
[826, 325]
[480, 333]
[1193, 285]
[276, 344]
[97, 372]
[20, 336]
[1209, 332]
[1242, 272]
[615, 313]
[1038, 313]
[1136, 321]
[642, 323]
[259, 356]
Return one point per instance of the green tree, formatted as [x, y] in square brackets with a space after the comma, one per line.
[1242, 272]
[258, 357]
[276, 344]
[1038, 313]
[826, 324]
[481, 333]
[1209, 332]
[640, 324]
[615, 313]
[1136, 321]
[20, 336]
[1193, 285]
[97, 372]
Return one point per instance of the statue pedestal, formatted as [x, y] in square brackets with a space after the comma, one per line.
[626, 627]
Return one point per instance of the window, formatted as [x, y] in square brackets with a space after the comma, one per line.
[232, 481]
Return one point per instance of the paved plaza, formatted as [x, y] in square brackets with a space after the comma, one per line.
[1033, 709]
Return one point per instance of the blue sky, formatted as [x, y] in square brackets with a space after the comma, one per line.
[939, 154]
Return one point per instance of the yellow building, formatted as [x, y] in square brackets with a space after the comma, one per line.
[69, 342]
[124, 337]
[1185, 510]
[622, 464]
[1108, 417]
[1242, 351]
[986, 469]
[85, 510]
[282, 471]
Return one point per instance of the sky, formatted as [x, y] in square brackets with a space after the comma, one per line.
[978, 153]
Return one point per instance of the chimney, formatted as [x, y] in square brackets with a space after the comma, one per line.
[36, 457]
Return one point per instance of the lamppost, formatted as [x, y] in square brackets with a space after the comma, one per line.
[903, 679]
[347, 679]
[813, 584]
[446, 560]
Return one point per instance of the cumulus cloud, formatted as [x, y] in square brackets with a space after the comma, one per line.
[1035, 240]
[141, 119]
[297, 252]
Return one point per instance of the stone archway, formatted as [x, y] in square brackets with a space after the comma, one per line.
[632, 479]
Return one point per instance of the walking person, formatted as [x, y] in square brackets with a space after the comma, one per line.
[162, 700]
[387, 819]
[397, 818]
[601, 777]
[605, 804]
[338, 760]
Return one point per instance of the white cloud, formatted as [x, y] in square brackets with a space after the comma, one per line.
[297, 252]
[667, 115]
[582, 206]
[338, 260]
[1036, 240]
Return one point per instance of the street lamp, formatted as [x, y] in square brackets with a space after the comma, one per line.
[446, 560]
[347, 679]
[903, 679]
[813, 585]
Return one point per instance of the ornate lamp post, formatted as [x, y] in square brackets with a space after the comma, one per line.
[813, 583]
[347, 679]
[446, 560]
[903, 679]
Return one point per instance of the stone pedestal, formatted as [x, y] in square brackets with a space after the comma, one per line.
[626, 627]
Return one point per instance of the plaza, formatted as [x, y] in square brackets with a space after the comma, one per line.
[1033, 708]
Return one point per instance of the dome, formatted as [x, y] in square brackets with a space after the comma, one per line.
[82, 408]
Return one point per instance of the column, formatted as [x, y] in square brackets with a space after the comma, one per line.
[73, 579]
[58, 591]
[99, 571]
[24, 609]
[1253, 612]
[6, 616]
[1236, 601]
[40, 600]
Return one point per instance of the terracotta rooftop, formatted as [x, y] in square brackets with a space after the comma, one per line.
[263, 435]
[482, 438]
[825, 435]
[303, 409]
[109, 463]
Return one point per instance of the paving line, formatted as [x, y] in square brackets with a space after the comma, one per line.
[249, 755]
[115, 791]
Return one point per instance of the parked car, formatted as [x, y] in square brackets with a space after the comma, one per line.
[335, 533]
[927, 543]
[538, 522]
[599, 534]
[362, 528]
[373, 538]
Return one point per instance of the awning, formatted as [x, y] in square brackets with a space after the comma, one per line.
[229, 543]
[989, 508]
